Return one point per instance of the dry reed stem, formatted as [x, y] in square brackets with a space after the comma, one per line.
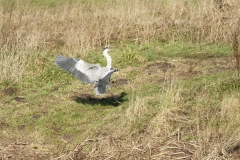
[235, 51]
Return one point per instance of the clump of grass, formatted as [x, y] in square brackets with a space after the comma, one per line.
[221, 134]
[12, 67]
[137, 108]
[169, 98]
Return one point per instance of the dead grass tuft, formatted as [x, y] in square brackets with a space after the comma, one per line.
[221, 142]
[231, 143]
[164, 123]
[12, 66]
[137, 108]
[111, 148]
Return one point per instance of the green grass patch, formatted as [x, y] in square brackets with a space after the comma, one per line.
[196, 51]
[58, 107]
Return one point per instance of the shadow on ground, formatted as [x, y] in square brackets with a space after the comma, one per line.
[88, 99]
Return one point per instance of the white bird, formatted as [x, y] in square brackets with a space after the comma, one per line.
[89, 73]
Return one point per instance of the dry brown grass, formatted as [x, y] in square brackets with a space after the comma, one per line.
[171, 133]
[235, 50]
[179, 126]
[81, 26]
[73, 27]
[12, 66]
[111, 148]
[137, 108]
[162, 125]
[220, 142]
[208, 134]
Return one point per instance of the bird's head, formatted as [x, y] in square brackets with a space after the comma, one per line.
[108, 57]
[106, 49]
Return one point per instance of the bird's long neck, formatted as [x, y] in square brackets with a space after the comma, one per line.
[109, 59]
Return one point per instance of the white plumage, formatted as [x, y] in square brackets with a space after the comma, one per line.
[89, 73]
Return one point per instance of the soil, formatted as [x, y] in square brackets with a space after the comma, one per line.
[9, 91]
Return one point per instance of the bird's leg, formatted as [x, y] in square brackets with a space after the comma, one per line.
[113, 95]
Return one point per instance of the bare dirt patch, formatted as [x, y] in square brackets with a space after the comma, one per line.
[9, 91]
[21, 151]
[55, 88]
[236, 153]
[119, 82]
[3, 125]
[159, 71]
[164, 66]
[19, 99]
[39, 114]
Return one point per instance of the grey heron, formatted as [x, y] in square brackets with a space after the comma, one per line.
[89, 73]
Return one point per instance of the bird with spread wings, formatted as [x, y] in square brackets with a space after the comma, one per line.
[89, 73]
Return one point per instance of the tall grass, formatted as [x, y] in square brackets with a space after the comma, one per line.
[83, 25]
[12, 66]
[79, 26]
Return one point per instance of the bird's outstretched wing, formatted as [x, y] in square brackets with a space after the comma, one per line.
[102, 83]
[82, 70]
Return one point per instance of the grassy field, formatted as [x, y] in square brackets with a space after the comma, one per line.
[178, 82]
